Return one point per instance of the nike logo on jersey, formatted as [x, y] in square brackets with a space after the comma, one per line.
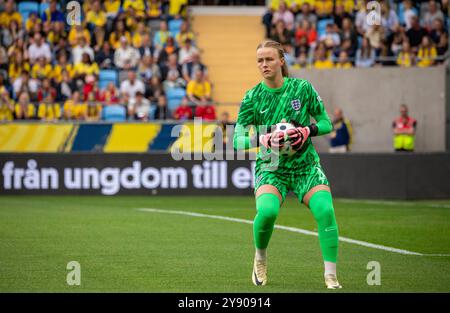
[262, 112]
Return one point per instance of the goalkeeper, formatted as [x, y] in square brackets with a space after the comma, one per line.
[279, 98]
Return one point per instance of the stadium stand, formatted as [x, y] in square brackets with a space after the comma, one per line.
[342, 24]
[52, 71]
[65, 68]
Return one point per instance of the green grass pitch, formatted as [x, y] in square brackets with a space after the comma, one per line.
[122, 249]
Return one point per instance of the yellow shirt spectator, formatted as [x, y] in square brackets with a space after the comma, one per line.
[324, 7]
[359, 4]
[181, 37]
[199, 90]
[58, 69]
[29, 24]
[112, 6]
[30, 110]
[349, 5]
[87, 69]
[6, 18]
[41, 71]
[114, 39]
[79, 111]
[6, 110]
[74, 110]
[87, 5]
[138, 5]
[15, 70]
[54, 37]
[94, 111]
[299, 3]
[345, 65]
[175, 5]
[49, 112]
[74, 34]
[68, 108]
[297, 66]
[323, 64]
[426, 57]
[154, 9]
[98, 19]
[275, 4]
[137, 40]
[404, 59]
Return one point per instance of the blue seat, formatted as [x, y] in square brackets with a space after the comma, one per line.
[322, 26]
[175, 26]
[174, 97]
[107, 76]
[114, 113]
[42, 7]
[25, 8]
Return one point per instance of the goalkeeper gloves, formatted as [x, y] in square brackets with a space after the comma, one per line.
[272, 140]
[299, 135]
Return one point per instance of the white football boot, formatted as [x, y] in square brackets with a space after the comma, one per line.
[259, 275]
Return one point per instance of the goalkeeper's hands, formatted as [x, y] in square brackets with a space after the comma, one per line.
[272, 140]
[298, 136]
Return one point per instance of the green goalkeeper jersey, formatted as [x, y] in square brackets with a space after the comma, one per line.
[263, 107]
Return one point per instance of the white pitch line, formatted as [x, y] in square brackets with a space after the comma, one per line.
[291, 229]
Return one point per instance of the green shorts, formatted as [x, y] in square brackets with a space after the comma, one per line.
[299, 181]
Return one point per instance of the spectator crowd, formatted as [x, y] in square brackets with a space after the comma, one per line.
[139, 56]
[359, 33]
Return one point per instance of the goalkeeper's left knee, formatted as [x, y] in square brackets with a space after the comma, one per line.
[321, 205]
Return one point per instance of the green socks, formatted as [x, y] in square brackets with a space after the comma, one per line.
[321, 205]
[268, 207]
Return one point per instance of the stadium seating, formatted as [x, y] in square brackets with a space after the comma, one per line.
[42, 7]
[25, 8]
[114, 113]
[175, 26]
[174, 97]
[322, 25]
[106, 77]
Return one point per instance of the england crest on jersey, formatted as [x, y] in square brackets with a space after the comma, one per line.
[296, 104]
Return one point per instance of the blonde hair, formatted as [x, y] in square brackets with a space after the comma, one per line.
[276, 45]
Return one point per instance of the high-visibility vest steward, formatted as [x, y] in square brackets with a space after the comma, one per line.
[404, 141]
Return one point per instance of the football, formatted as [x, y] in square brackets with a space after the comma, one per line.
[286, 150]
